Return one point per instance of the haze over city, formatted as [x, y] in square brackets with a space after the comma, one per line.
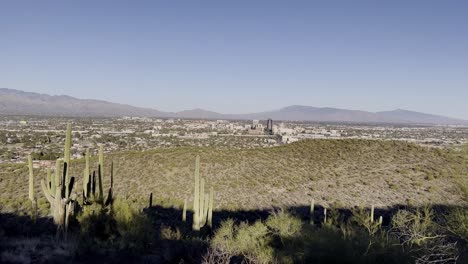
[242, 56]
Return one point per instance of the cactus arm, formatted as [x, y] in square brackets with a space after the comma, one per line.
[52, 182]
[49, 180]
[205, 209]
[70, 187]
[57, 173]
[46, 193]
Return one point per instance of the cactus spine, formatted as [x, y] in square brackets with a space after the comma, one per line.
[31, 190]
[202, 204]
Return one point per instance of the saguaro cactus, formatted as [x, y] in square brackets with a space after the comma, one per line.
[67, 156]
[184, 212]
[101, 172]
[202, 203]
[196, 198]
[311, 214]
[210, 208]
[59, 196]
[61, 206]
[31, 190]
[86, 178]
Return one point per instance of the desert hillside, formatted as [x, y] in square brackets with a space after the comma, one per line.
[338, 173]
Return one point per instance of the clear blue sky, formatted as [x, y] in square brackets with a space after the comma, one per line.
[241, 56]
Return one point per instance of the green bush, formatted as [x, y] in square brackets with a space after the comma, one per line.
[250, 242]
[121, 227]
[284, 224]
[457, 222]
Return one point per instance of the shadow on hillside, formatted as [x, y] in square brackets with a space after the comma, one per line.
[173, 239]
[169, 216]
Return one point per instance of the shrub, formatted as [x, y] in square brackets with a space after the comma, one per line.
[457, 222]
[421, 235]
[120, 228]
[250, 242]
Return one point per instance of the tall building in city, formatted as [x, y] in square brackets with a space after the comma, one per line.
[254, 124]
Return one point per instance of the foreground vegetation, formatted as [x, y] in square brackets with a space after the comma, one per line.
[264, 213]
[158, 235]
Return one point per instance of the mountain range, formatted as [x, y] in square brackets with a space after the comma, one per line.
[16, 102]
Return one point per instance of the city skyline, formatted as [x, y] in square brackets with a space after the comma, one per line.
[241, 57]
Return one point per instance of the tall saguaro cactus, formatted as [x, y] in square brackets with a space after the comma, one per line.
[67, 155]
[196, 198]
[202, 203]
[86, 177]
[31, 190]
[58, 191]
[101, 172]
[311, 214]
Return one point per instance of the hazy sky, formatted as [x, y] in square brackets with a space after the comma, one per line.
[241, 56]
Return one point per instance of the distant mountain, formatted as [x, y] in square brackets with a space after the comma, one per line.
[199, 113]
[406, 116]
[15, 102]
[309, 113]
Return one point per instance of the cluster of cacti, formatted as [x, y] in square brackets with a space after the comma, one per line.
[202, 202]
[379, 223]
[58, 187]
[90, 181]
[58, 190]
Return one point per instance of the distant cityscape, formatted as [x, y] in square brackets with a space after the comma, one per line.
[44, 137]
